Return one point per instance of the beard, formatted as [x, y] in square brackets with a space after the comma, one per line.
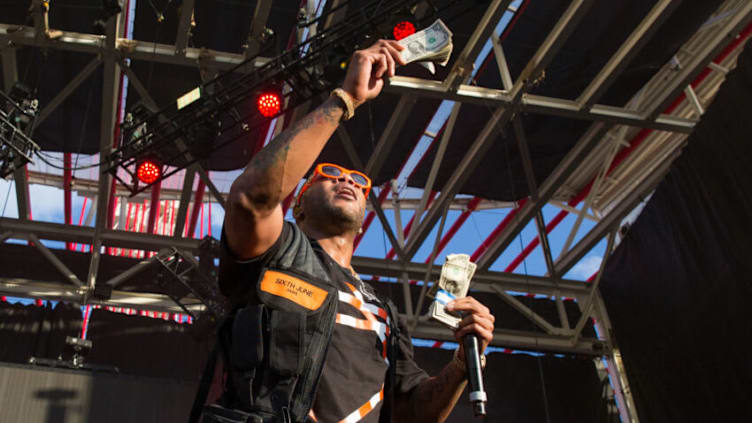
[330, 217]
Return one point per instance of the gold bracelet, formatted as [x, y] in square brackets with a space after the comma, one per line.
[347, 100]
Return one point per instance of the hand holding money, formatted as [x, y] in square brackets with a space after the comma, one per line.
[432, 45]
[453, 283]
[368, 67]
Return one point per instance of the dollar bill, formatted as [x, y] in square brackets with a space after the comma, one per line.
[432, 45]
[453, 283]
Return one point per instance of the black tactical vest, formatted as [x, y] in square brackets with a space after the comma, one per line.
[274, 349]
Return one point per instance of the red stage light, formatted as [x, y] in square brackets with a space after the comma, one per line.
[148, 171]
[269, 104]
[403, 29]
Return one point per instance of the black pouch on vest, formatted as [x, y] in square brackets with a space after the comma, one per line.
[286, 342]
[247, 350]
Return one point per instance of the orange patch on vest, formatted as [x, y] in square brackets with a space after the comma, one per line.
[296, 290]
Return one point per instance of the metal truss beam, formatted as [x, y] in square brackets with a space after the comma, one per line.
[67, 90]
[608, 222]
[716, 40]
[463, 171]
[158, 302]
[562, 172]
[538, 104]
[518, 339]
[344, 137]
[126, 48]
[110, 90]
[258, 24]
[10, 77]
[463, 65]
[69, 276]
[483, 280]
[501, 116]
[185, 24]
[52, 291]
[84, 235]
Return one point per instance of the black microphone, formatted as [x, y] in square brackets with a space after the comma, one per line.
[475, 375]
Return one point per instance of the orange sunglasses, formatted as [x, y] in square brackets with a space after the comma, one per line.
[333, 171]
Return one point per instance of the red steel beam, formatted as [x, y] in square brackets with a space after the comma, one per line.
[500, 227]
[624, 153]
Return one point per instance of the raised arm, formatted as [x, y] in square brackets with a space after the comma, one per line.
[253, 219]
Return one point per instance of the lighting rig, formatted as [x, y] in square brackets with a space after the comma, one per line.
[208, 118]
[17, 113]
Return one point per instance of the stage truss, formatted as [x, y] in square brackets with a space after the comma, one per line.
[617, 163]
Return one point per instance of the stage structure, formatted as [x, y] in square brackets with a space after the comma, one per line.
[584, 104]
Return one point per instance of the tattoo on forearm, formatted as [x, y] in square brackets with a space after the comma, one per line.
[274, 156]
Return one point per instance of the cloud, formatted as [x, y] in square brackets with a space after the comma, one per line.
[586, 267]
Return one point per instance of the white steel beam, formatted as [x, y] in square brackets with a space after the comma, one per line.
[500, 117]
[562, 172]
[715, 41]
[615, 365]
[501, 61]
[531, 103]
[110, 89]
[84, 235]
[519, 340]
[438, 158]
[126, 48]
[463, 64]
[69, 276]
[528, 313]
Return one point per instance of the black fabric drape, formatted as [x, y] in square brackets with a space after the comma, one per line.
[527, 389]
[678, 287]
[36, 331]
[147, 347]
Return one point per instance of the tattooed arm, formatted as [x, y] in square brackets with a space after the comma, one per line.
[253, 219]
[434, 398]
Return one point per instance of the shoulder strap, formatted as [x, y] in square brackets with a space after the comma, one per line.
[391, 353]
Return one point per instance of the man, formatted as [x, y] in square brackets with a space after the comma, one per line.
[285, 274]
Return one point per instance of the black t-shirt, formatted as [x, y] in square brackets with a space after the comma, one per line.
[351, 385]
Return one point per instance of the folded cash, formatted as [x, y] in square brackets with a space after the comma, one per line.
[453, 283]
[428, 46]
